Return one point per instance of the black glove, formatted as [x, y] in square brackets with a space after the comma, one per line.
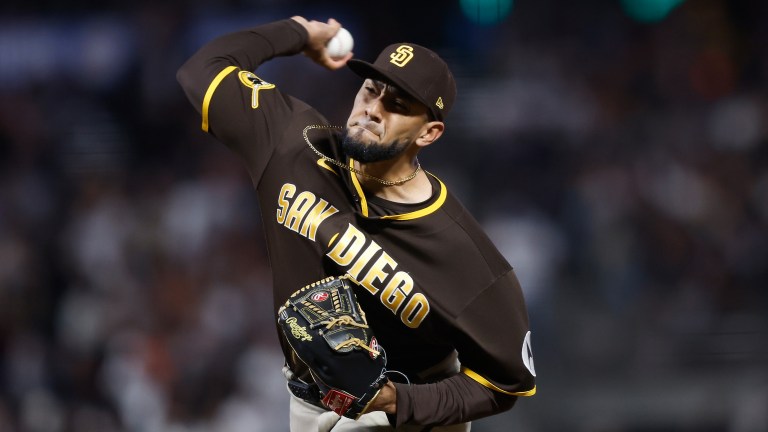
[327, 329]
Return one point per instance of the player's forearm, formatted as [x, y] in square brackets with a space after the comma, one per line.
[454, 400]
[244, 49]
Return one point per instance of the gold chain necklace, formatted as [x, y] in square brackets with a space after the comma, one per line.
[352, 168]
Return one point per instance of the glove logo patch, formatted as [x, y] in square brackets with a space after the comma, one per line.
[375, 348]
[320, 296]
[338, 401]
[298, 331]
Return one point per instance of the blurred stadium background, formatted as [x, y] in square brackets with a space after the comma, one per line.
[616, 150]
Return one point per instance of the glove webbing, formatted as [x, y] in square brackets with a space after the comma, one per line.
[319, 312]
[359, 343]
[343, 320]
[348, 320]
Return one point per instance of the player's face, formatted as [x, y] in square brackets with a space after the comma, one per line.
[383, 123]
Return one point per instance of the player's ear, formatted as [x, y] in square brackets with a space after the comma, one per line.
[430, 133]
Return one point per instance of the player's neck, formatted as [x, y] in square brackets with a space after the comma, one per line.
[415, 190]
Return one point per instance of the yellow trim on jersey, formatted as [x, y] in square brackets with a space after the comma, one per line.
[405, 216]
[333, 239]
[209, 93]
[485, 383]
[426, 210]
[360, 193]
[322, 163]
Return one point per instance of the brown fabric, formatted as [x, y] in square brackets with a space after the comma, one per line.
[429, 285]
[454, 400]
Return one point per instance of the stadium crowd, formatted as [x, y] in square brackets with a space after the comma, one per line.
[621, 167]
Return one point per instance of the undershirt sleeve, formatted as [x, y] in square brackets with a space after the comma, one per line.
[454, 400]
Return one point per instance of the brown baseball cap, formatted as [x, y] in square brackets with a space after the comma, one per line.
[416, 70]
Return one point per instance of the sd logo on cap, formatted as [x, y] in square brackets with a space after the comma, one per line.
[426, 78]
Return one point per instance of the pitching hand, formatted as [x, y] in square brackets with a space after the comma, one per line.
[319, 35]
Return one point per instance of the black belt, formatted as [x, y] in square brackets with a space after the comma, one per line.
[309, 393]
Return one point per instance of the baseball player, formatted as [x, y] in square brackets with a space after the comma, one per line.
[354, 200]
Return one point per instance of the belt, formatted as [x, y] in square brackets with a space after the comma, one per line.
[309, 393]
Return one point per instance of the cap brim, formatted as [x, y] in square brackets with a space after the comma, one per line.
[367, 70]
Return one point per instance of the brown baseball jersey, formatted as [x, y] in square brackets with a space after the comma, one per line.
[429, 279]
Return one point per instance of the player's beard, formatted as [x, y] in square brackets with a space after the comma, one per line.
[362, 152]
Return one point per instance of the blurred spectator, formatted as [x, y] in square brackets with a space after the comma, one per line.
[621, 167]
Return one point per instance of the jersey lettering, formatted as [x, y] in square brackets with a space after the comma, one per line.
[355, 252]
[377, 273]
[304, 213]
[415, 311]
[363, 260]
[347, 247]
[396, 291]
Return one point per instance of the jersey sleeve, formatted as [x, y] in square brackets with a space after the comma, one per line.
[238, 107]
[493, 341]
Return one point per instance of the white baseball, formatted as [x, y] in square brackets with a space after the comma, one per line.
[340, 45]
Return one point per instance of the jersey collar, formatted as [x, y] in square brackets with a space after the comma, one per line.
[403, 216]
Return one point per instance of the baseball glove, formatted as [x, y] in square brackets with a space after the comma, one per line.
[328, 331]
